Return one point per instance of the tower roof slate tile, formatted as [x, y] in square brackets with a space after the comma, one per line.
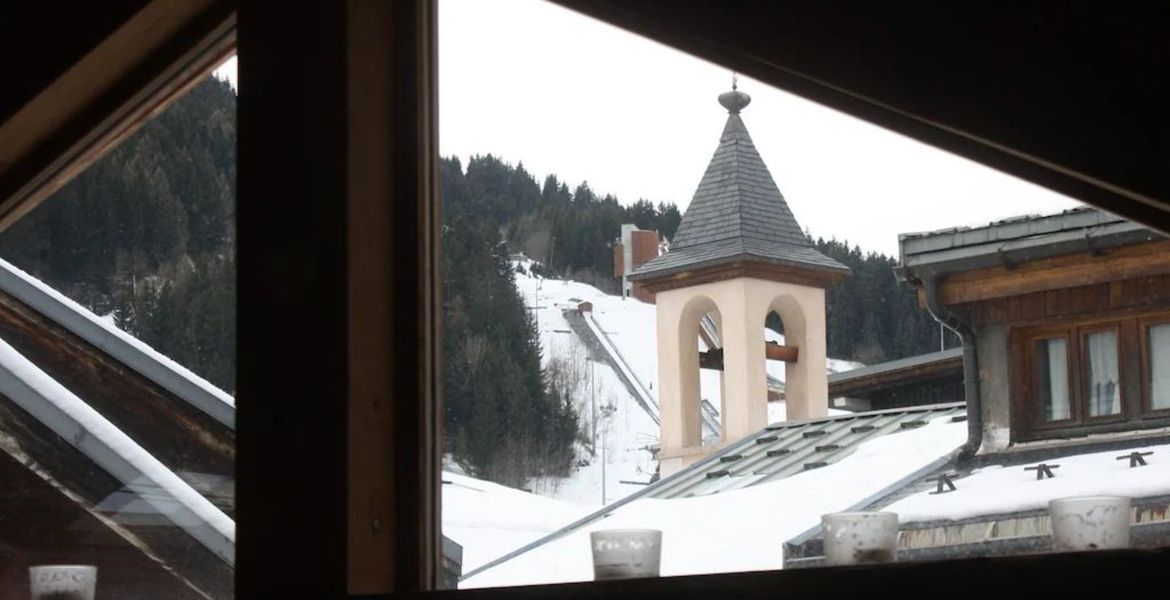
[737, 213]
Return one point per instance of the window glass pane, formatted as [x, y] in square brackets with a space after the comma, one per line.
[1159, 367]
[598, 375]
[1103, 380]
[118, 367]
[1052, 378]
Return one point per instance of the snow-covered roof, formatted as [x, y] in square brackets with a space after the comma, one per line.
[1002, 489]
[1002, 508]
[110, 448]
[739, 529]
[489, 520]
[786, 448]
[120, 345]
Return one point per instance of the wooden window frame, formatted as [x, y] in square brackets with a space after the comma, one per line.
[1037, 408]
[1084, 398]
[298, 500]
[1144, 325]
[1132, 354]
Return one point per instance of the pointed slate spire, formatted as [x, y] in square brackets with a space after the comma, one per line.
[737, 213]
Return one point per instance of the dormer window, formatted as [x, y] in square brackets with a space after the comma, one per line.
[1088, 376]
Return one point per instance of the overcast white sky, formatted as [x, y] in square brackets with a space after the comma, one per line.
[531, 82]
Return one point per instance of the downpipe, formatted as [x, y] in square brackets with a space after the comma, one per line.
[962, 327]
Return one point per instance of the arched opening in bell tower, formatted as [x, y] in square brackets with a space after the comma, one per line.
[700, 381]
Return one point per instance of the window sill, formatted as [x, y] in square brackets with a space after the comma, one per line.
[1073, 575]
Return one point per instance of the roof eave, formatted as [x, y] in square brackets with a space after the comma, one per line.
[1015, 251]
[835, 273]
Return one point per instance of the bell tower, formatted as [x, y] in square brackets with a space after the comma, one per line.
[738, 255]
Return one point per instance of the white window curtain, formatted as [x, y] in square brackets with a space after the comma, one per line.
[1159, 367]
[1104, 380]
[1057, 405]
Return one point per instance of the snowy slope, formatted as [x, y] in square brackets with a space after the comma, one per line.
[623, 429]
[741, 530]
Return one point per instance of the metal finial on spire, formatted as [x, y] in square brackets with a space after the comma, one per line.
[735, 100]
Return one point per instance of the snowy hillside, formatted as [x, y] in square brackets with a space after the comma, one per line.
[624, 431]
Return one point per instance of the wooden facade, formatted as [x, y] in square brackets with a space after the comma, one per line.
[1016, 306]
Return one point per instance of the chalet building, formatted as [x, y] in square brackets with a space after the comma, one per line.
[737, 256]
[1065, 322]
[633, 249]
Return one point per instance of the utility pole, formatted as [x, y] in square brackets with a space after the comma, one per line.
[536, 304]
[593, 399]
[942, 340]
[603, 430]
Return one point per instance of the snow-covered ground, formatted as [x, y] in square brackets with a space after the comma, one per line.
[490, 520]
[741, 530]
[998, 489]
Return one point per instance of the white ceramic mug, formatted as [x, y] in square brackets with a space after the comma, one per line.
[62, 582]
[626, 553]
[1090, 523]
[853, 538]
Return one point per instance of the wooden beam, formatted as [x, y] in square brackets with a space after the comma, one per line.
[393, 477]
[1057, 273]
[338, 333]
[713, 359]
[774, 351]
[292, 325]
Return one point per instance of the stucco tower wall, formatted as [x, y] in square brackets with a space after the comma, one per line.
[740, 306]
